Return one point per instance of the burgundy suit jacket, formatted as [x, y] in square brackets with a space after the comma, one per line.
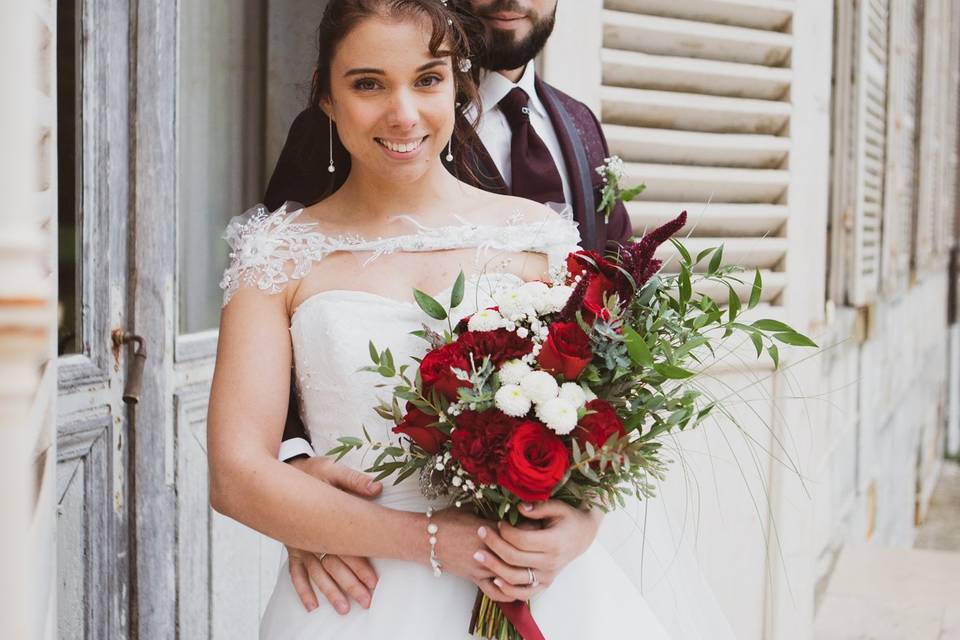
[301, 176]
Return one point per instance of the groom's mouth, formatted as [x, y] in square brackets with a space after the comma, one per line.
[506, 20]
[401, 148]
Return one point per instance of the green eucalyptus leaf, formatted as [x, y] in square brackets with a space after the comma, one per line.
[671, 371]
[682, 249]
[733, 303]
[755, 291]
[794, 338]
[373, 353]
[774, 355]
[430, 306]
[456, 296]
[715, 260]
[637, 348]
[757, 339]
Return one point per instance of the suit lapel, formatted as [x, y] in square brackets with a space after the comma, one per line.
[579, 171]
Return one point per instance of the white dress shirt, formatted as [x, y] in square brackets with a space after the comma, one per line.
[494, 130]
[496, 135]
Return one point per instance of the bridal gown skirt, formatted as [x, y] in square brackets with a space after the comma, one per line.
[590, 599]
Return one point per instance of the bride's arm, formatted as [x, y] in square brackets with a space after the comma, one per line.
[248, 404]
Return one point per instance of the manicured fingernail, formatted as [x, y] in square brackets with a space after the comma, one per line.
[498, 582]
[482, 532]
[312, 606]
[479, 557]
[365, 602]
[526, 506]
[342, 606]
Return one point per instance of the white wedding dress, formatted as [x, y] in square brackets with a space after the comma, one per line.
[591, 598]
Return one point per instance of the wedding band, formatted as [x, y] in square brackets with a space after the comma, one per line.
[321, 557]
[534, 581]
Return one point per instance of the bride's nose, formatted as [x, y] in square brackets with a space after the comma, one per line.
[403, 111]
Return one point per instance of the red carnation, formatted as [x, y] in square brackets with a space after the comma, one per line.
[416, 425]
[500, 345]
[596, 428]
[534, 462]
[478, 442]
[436, 369]
[566, 351]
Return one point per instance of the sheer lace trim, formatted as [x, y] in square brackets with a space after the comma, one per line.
[268, 250]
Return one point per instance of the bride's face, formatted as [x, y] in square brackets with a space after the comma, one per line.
[392, 102]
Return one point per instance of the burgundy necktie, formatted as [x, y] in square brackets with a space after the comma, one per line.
[534, 174]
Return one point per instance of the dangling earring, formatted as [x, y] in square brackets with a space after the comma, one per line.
[449, 156]
[332, 168]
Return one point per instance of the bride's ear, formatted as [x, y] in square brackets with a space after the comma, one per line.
[327, 108]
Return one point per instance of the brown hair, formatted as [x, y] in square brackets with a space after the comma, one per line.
[455, 34]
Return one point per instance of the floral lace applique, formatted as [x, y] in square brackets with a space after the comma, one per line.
[268, 250]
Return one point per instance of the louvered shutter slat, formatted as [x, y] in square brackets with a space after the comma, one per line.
[717, 220]
[635, 69]
[758, 14]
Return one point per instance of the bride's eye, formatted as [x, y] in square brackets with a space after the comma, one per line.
[366, 84]
[431, 80]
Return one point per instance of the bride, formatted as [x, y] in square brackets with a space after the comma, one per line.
[309, 287]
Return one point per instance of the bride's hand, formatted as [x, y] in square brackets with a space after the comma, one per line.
[334, 576]
[564, 534]
[457, 546]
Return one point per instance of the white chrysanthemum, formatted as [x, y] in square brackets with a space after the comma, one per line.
[573, 393]
[559, 415]
[513, 371]
[486, 320]
[536, 293]
[539, 386]
[511, 399]
[556, 298]
[513, 303]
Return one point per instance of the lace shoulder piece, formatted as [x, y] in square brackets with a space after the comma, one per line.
[555, 236]
[267, 250]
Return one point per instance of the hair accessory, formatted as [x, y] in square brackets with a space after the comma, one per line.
[432, 530]
[332, 168]
[465, 65]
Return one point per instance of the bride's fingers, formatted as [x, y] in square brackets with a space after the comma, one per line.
[492, 591]
[301, 582]
[515, 592]
[363, 569]
[502, 570]
[347, 580]
[509, 553]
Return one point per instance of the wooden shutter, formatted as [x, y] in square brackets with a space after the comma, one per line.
[901, 162]
[695, 97]
[861, 152]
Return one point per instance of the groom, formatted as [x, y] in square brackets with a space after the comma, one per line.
[537, 142]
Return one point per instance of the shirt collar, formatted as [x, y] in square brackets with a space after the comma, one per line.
[495, 86]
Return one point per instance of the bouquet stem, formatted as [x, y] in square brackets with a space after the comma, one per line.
[489, 622]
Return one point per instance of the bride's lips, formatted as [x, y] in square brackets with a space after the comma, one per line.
[401, 149]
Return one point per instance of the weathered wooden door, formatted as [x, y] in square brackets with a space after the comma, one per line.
[93, 426]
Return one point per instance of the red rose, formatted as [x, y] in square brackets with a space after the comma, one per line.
[478, 442]
[596, 428]
[436, 370]
[500, 345]
[593, 307]
[416, 425]
[534, 462]
[566, 351]
[580, 261]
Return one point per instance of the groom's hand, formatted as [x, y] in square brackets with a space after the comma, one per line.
[562, 534]
[335, 576]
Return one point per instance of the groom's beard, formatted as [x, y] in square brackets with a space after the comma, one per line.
[502, 52]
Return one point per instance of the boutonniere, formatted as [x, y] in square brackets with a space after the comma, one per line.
[612, 171]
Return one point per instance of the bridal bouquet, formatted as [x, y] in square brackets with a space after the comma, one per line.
[564, 390]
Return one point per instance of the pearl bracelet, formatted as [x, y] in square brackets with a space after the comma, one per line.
[432, 529]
